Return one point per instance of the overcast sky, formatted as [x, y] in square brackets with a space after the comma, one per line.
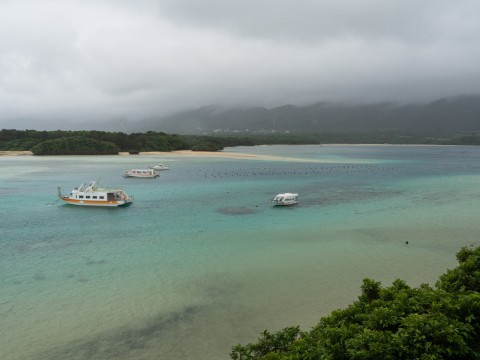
[130, 59]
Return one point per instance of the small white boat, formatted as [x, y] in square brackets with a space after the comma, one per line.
[160, 167]
[285, 199]
[141, 173]
[90, 194]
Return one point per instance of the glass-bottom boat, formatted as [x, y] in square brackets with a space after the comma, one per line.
[91, 194]
[285, 199]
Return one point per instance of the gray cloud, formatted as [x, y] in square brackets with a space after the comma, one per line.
[106, 59]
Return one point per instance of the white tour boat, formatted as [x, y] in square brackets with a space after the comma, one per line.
[90, 194]
[141, 173]
[285, 199]
[160, 167]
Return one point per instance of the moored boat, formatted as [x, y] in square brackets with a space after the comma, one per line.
[285, 199]
[91, 194]
[141, 173]
[160, 167]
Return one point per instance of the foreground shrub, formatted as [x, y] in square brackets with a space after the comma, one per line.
[395, 322]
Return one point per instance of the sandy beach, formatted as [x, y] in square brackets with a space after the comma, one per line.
[232, 155]
[235, 156]
[219, 154]
[222, 154]
[179, 152]
[202, 153]
[15, 153]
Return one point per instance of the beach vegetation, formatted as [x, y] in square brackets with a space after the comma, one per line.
[393, 322]
[76, 145]
[207, 146]
[150, 141]
[75, 142]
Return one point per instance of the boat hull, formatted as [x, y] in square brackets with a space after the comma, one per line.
[141, 176]
[284, 204]
[95, 203]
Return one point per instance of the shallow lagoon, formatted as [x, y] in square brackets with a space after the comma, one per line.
[201, 261]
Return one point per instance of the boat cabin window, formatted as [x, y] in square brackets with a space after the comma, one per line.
[102, 197]
[94, 197]
[87, 197]
[80, 196]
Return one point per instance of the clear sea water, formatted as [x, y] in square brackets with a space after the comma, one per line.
[201, 261]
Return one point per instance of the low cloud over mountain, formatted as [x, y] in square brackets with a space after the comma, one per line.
[460, 113]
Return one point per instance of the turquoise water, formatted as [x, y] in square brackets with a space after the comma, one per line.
[201, 261]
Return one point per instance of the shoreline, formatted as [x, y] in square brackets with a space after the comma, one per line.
[231, 155]
[190, 153]
[220, 153]
[16, 153]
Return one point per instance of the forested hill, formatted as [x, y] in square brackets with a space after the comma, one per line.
[460, 113]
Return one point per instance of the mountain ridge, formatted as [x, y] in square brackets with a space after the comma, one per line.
[458, 113]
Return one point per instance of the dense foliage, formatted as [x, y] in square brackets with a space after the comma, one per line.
[100, 142]
[75, 146]
[26, 140]
[395, 322]
[356, 138]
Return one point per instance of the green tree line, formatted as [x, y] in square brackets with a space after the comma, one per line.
[387, 323]
[104, 142]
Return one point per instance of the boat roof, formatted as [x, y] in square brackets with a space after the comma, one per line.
[288, 194]
[93, 186]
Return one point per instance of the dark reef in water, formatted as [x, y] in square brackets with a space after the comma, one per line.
[122, 343]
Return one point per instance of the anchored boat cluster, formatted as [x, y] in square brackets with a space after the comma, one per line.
[91, 194]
